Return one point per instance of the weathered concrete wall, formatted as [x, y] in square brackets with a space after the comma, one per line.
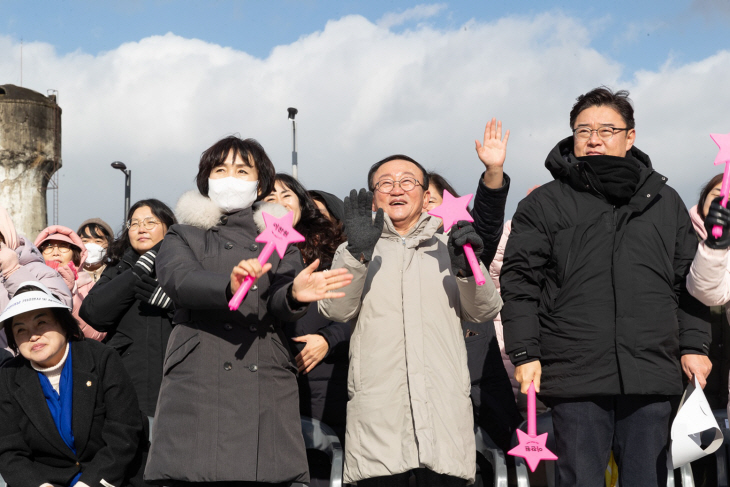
[30, 149]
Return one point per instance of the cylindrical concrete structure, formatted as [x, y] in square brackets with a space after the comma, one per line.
[30, 152]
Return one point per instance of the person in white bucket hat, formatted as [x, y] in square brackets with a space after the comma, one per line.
[68, 411]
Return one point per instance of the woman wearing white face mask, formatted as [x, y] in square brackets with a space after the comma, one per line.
[97, 235]
[228, 406]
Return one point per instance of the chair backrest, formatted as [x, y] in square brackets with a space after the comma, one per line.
[319, 436]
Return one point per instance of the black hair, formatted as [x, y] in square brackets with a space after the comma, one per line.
[248, 150]
[603, 96]
[94, 230]
[159, 209]
[321, 234]
[396, 157]
[65, 319]
[706, 192]
[440, 184]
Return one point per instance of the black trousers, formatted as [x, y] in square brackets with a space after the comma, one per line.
[424, 478]
[635, 427]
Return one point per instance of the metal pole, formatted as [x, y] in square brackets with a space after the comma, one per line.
[127, 191]
[294, 163]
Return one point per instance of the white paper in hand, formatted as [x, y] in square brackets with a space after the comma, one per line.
[695, 432]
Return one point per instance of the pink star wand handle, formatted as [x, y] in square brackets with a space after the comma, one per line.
[724, 190]
[531, 411]
[263, 258]
[474, 264]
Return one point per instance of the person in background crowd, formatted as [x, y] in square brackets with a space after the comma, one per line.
[709, 281]
[69, 412]
[64, 251]
[128, 304]
[328, 204]
[323, 345]
[409, 409]
[491, 393]
[228, 407]
[596, 309]
[96, 235]
[21, 261]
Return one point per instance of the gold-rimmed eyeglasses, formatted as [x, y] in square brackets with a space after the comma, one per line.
[147, 224]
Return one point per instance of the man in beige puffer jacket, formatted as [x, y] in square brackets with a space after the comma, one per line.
[408, 383]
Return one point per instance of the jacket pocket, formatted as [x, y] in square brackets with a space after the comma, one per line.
[279, 348]
[178, 353]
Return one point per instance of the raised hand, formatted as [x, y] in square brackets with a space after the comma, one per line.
[492, 152]
[312, 286]
[362, 231]
[8, 260]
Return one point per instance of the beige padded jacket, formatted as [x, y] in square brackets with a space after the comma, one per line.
[408, 381]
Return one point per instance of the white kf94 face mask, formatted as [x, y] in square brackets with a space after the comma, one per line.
[95, 253]
[232, 194]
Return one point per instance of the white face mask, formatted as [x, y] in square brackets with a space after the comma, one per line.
[231, 194]
[95, 253]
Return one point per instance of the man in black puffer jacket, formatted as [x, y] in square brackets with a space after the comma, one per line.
[596, 311]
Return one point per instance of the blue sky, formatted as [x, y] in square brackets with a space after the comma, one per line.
[640, 34]
[153, 83]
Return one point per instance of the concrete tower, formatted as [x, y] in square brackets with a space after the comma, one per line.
[30, 153]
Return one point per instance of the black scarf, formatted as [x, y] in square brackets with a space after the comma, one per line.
[614, 177]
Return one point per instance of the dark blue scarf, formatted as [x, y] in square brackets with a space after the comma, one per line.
[61, 406]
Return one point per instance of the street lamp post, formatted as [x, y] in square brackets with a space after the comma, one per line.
[294, 163]
[127, 185]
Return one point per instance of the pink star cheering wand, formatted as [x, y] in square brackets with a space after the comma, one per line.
[278, 235]
[532, 447]
[723, 156]
[452, 210]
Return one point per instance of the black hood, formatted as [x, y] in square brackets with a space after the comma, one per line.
[563, 165]
[334, 205]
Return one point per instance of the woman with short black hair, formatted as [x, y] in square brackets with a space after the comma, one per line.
[228, 407]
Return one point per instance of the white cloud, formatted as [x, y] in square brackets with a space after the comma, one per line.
[419, 12]
[363, 92]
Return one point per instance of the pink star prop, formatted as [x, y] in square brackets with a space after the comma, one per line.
[531, 446]
[452, 210]
[278, 235]
[279, 232]
[723, 157]
[723, 142]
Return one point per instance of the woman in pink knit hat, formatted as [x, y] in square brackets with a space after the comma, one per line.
[64, 251]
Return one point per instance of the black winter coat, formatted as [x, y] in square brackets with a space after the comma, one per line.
[323, 391]
[136, 329]
[597, 293]
[107, 424]
[228, 408]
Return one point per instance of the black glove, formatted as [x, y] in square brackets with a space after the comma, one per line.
[147, 289]
[144, 287]
[362, 231]
[717, 215]
[463, 233]
[146, 263]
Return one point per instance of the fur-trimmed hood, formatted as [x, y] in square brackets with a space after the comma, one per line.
[200, 211]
